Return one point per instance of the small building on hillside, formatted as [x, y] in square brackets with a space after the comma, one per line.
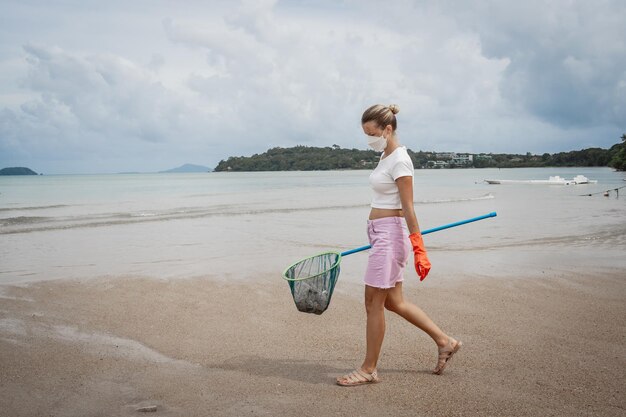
[463, 159]
[445, 155]
[436, 164]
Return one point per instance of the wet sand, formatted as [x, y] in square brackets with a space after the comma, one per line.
[550, 345]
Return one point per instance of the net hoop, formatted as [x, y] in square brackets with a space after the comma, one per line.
[333, 266]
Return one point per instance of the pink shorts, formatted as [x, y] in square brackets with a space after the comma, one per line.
[390, 251]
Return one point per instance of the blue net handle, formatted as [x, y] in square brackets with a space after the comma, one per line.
[425, 232]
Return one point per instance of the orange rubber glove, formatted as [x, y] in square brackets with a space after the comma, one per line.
[422, 264]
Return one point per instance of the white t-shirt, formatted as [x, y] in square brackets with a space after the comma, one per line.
[383, 178]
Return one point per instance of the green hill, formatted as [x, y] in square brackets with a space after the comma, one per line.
[618, 160]
[301, 158]
[187, 168]
[17, 171]
[305, 158]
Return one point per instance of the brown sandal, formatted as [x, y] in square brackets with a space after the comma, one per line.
[358, 377]
[445, 355]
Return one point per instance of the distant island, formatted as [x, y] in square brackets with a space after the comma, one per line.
[187, 168]
[17, 171]
[304, 158]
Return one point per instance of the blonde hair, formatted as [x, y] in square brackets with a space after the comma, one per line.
[382, 115]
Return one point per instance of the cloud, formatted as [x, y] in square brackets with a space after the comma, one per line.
[312, 85]
[199, 84]
[106, 94]
[567, 58]
[98, 104]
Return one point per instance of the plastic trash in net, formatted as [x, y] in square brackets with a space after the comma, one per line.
[312, 281]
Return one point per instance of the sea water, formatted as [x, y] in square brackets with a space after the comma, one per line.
[252, 226]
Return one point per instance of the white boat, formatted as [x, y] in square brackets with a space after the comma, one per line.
[581, 179]
[553, 180]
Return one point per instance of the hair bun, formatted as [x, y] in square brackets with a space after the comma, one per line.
[394, 108]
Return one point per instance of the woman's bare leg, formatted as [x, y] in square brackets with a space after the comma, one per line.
[375, 331]
[413, 314]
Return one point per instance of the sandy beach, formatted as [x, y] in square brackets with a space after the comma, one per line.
[174, 299]
[197, 347]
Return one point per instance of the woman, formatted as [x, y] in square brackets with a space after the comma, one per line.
[391, 215]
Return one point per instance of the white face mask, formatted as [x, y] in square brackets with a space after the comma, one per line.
[378, 143]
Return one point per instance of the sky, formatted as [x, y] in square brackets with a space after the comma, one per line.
[147, 85]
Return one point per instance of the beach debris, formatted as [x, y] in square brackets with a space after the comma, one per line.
[147, 409]
[312, 281]
[311, 296]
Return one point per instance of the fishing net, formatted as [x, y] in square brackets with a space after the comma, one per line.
[312, 281]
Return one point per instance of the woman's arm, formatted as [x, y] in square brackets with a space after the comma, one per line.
[405, 186]
[422, 264]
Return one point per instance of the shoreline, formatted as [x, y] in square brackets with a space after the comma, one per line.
[549, 345]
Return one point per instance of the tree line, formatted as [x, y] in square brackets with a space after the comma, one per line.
[306, 158]
[618, 160]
